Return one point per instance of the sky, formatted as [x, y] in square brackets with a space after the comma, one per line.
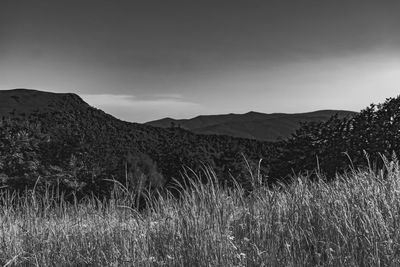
[146, 60]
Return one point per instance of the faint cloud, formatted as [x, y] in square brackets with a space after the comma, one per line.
[133, 108]
[176, 96]
[109, 100]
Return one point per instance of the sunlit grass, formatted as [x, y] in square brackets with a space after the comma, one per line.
[354, 221]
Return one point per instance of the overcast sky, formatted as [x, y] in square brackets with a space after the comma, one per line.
[144, 60]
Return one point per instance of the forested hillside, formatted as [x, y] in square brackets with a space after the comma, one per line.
[83, 146]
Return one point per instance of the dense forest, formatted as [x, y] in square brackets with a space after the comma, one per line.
[81, 149]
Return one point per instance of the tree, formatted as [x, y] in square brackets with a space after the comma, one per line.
[329, 146]
[314, 146]
[20, 162]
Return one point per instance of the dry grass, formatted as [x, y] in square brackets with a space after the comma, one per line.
[354, 221]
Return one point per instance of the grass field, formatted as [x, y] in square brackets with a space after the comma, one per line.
[354, 221]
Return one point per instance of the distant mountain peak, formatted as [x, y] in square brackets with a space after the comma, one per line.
[253, 113]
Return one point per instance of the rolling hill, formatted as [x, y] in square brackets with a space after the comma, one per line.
[104, 146]
[251, 125]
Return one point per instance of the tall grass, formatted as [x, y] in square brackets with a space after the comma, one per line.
[353, 221]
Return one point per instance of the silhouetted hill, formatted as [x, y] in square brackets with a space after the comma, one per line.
[252, 125]
[19, 101]
[104, 143]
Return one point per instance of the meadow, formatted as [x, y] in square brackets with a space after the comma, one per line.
[352, 221]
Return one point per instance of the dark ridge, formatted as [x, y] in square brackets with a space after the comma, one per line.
[253, 125]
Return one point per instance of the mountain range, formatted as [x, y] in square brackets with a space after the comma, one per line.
[251, 125]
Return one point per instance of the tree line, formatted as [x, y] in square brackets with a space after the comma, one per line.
[80, 151]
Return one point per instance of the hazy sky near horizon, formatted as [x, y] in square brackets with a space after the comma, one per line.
[144, 60]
